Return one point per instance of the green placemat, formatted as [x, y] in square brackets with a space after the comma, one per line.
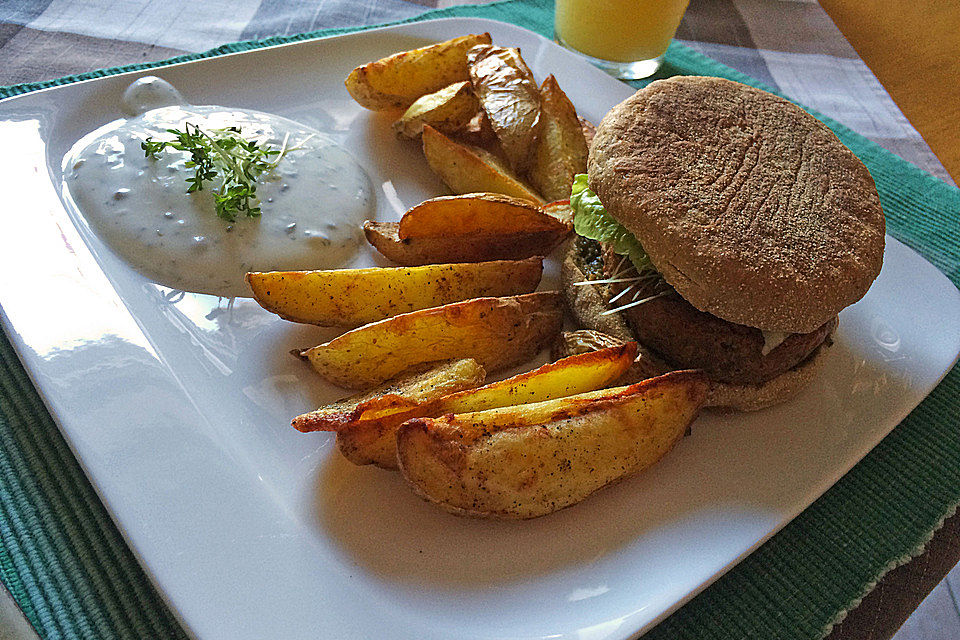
[68, 568]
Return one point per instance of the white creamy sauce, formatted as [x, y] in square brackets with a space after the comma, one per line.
[313, 202]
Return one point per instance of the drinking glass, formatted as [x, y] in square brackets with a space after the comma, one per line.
[625, 38]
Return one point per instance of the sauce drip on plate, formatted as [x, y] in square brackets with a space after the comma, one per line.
[313, 202]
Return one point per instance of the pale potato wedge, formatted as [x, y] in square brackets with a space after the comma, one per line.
[448, 110]
[413, 388]
[531, 460]
[561, 150]
[479, 214]
[509, 96]
[372, 439]
[468, 169]
[385, 238]
[351, 297]
[396, 81]
[496, 332]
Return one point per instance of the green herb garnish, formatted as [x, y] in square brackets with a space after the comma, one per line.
[223, 154]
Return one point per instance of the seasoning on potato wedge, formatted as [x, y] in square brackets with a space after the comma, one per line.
[370, 437]
[411, 389]
[351, 297]
[496, 332]
[468, 169]
[385, 238]
[509, 96]
[530, 460]
[396, 81]
[449, 110]
[561, 150]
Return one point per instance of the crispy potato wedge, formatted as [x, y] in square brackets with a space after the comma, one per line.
[531, 460]
[372, 439]
[351, 297]
[561, 150]
[561, 210]
[496, 332]
[396, 81]
[589, 130]
[480, 214]
[468, 169]
[412, 388]
[385, 238]
[448, 110]
[644, 366]
[560, 379]
[509, 96]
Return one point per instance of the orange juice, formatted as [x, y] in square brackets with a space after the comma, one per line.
[618, 30]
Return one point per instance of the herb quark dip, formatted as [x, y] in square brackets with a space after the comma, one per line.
[308, 198]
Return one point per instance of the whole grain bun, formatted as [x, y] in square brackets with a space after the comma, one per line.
[751, 208]
[587, 302]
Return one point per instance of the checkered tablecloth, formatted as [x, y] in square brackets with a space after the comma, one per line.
[791, 45]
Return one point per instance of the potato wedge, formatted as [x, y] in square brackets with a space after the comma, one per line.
[372, 439]
[478, 132]
[496, 332]
[560, 379]
[448, 110]
[589, 130]
[561, 210]
[509, 96]
[531, 460]
[385, 238]
[351, 297]
[561, 150]
[411, 389]
[645, 365]
[469, 169]
[396, 81]
[476, 214]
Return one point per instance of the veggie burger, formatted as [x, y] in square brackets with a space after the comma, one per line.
[724, 228]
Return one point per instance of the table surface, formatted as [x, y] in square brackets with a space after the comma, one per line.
[794, 47]
[914, 50]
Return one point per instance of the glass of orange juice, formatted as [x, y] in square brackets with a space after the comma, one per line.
[625, 38]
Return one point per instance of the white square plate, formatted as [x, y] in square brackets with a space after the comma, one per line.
[178, 406]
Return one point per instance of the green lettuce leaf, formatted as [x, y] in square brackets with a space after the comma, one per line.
[592, 221]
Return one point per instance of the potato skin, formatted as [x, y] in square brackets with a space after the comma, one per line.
[496, 332]
[500, 464]
[468, 169]
[385, 238]
[477, 214]
[351, 297]
[509, 96]
[396, 81]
